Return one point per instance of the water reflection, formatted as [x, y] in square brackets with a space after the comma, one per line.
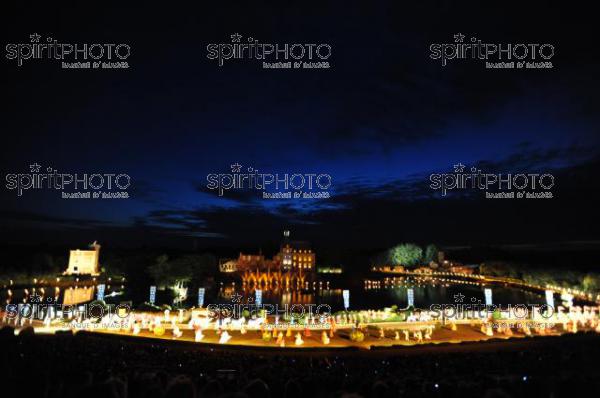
[64, 294]
[380, 294]
[375, 294]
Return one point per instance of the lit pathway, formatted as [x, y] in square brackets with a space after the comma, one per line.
[253, 338]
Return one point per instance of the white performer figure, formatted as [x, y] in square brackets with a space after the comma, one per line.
[397, 336]
[243, 329]
[198, 336]
[136, 328]
[381, 333]
[176, 332]
[418, 336]
[279, 338]
[406, 335]
[299, 340]
[324, 338]
[488, 330]
[428, 334]
[224, 337]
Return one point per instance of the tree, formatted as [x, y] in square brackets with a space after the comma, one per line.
[204, 265]
[591, 283]
[160, 271]
[113, 266]
[431, 254]
[182, 268]
[407, 254]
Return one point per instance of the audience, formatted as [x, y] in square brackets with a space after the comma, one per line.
[91, 365]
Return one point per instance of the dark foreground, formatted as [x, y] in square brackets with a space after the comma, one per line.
[91, 365]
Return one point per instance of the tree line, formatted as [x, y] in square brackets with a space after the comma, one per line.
[407, 254]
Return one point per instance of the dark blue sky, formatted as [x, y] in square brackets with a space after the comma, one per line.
[379, 121]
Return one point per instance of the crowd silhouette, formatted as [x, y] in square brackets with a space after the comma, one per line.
[91, 365]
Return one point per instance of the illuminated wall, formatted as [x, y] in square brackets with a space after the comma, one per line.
[83, 262]
[78, 295]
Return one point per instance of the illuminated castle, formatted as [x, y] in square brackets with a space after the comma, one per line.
[84, 262]
[295, 255]
[292, 267]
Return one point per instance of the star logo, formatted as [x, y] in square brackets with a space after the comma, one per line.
[458, 298]
[35, 168]
[458, 168]
[459, 37]
[35, 298]
[35, 38]
[236, 167]
[236, 298]
[236, 37]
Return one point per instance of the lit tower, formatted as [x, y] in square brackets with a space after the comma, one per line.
[286, 251]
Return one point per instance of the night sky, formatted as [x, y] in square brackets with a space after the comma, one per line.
[379, 121]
